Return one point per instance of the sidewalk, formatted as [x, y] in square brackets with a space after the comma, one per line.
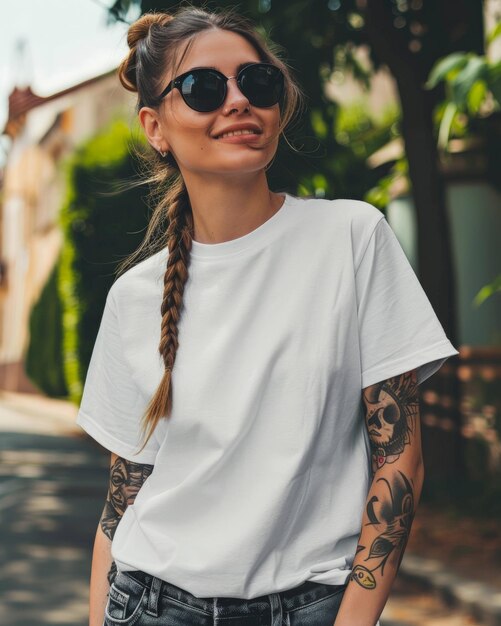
[52, 489]
[53, 481]
[39, 414]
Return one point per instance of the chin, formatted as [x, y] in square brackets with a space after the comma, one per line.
[237, 165]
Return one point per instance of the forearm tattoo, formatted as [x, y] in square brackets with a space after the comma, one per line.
[392, 414]
[395, 512]
[392, 408]
[126, 479]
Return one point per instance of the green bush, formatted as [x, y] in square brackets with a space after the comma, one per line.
[100, 228]
[44, 354]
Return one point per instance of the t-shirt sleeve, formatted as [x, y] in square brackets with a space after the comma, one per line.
[112, 405]
[398, 328]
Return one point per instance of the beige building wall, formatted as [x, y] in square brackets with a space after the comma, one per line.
[32, 196]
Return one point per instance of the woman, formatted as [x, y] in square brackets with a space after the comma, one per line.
[260, 494]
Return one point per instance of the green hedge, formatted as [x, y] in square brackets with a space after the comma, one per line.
[44, 355]
[99, 230]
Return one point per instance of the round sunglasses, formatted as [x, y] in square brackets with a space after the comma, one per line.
[204, 89]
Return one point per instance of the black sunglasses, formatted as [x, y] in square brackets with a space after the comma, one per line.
[204, 89]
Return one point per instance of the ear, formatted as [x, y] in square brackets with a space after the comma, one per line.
[150, 121]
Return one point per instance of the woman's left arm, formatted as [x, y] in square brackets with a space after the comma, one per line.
[393, 422]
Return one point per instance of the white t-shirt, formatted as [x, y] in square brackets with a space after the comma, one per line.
[261, 473]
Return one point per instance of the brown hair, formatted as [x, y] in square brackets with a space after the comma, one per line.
[154, 41]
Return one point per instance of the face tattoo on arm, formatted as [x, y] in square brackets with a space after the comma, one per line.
[392, 408]
[126, 479]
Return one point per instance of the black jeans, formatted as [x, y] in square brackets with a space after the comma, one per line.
[144, 600]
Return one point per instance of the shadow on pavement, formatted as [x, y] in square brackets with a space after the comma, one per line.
[52, 492]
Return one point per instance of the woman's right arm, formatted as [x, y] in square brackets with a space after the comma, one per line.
[126, 479]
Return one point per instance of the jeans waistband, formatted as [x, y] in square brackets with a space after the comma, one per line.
[293, 598]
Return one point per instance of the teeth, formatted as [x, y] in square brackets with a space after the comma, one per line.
[238, 132]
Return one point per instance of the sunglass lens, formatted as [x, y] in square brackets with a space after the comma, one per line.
[203, 90]
[262, 84]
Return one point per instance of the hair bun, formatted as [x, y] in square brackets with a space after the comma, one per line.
[138, 31]
[141, 27]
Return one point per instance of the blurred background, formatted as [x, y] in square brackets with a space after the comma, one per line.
[403, 111]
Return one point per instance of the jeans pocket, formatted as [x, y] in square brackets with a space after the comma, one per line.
[126, 601]
[320, 612]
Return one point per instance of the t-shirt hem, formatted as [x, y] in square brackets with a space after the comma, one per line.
[434, 356]
[339, 576]
[113, 444]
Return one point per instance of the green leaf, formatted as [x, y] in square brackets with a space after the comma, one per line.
[442, 67]
[445, 125]
[475, 69]
[494, 34]
[487, 291]
[476, 96]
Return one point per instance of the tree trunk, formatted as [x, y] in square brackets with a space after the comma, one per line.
[455, 26]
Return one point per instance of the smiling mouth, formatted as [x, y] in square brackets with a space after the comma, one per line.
[238, 134]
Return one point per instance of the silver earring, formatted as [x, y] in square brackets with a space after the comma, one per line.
[163, 154]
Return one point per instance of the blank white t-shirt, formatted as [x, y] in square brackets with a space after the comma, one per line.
[261, 473]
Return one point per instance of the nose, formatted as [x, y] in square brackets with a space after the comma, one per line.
[234, 97]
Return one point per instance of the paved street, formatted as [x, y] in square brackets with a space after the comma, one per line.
[52, 489]
[53, 481]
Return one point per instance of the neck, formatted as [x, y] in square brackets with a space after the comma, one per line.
[225, 211]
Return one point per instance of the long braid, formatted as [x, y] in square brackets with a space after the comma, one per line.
[179, 237]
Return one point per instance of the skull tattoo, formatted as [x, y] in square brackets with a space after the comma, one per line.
[392, 407]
